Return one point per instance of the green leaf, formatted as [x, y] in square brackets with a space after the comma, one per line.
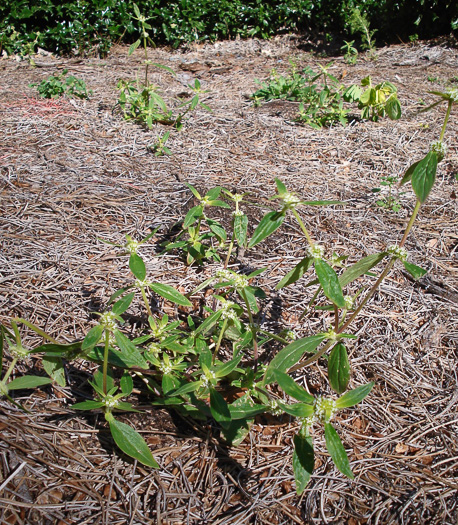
[290, 355]
[68, 350]
[192, 216]
[131, 443]
[337, 451]
[126, 383]
[133, 47]
[353, 397]
[226, 368]
[240, 229]
[290, 387]
[339, 368]
[217, 229]
[130, 354]
[209, 322]
[54, 367]
[187, 388]
[219, 408]
[137, 266]
[296, 273]
[424, 175]
[303, 461]
[25, 382]
[246, 411]
[92, 338]
[415, 271]
[281, 188]
[393, 108]
[169, 293]
[269, 223]
[330, 283]
[88, 405]
[301, 410]
[123, 304]
[408, 174]
[360, 268]
[194, 191]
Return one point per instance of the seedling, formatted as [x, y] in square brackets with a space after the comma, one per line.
[351, 53]
[360, 24]
[390, 201]
[375, 101]
[57, 86]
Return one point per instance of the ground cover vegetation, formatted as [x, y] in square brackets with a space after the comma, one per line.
[208, 358]
[87, 25]
[191, 366]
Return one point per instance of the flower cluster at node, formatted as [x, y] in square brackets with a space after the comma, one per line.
[440, 148]
[238, 213]
[153, 350]
[141, 284]
[207, 378]
[132, 247]
[325, 409]
[17, 351]
[237, 281]
[332, 335]
[290, 200]
[227, 311]
[307, 422]
[166, 367]
[316, 251]
[274, 409]
[238, 198]
[349, 302]
[108, 321]
[111, 401]
[453, 94]
[290, 335]
[398, 252]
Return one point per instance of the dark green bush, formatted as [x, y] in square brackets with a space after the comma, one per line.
[82, 25]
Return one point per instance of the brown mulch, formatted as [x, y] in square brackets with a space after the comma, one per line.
[73, 171]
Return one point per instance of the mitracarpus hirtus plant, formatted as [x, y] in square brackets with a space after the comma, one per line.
[191, 362]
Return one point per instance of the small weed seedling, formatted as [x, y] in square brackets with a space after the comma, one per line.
[160, 147]
[360, 24]
[375, 101]
[141, 101]
[351, 53]
[57, 86]
[194, 364]
[388, 199]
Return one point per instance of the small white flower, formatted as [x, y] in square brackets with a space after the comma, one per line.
[141, 284]
[290, 200]
[332, 335]
[274, 408]
[166, 368]
[316, 251]
[398, 252]
[238, 198]
[132, 247]
[453, 94]
[238, 213]
[111, 402]
[349, 301]
[440, 148]
[325, 408]
[290, 335]
[108, 321]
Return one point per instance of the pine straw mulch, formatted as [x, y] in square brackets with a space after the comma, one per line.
[73, 171]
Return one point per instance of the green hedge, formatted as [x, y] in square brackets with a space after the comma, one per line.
[66, 26]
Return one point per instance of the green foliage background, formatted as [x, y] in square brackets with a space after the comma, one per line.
[69, 25]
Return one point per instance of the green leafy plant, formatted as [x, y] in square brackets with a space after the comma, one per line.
[59, 85]
[160, 148]
[141, 101]
[359, 23]
[217, 343]
[390, 200]
[319, 95]
[350, 52]
[375, 101]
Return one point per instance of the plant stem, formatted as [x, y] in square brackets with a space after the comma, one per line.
[8, 372]
[105, 361]
[411, 221]
[145, 299]
[229, 251]
[303, 228]
[252, 328]
[220, 338]
[447, 115]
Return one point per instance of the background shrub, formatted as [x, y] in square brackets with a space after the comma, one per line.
[81, 25]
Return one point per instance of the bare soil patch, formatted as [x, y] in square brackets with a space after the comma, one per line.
[73, 171]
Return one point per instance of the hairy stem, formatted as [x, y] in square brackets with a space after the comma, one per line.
[105, 361]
